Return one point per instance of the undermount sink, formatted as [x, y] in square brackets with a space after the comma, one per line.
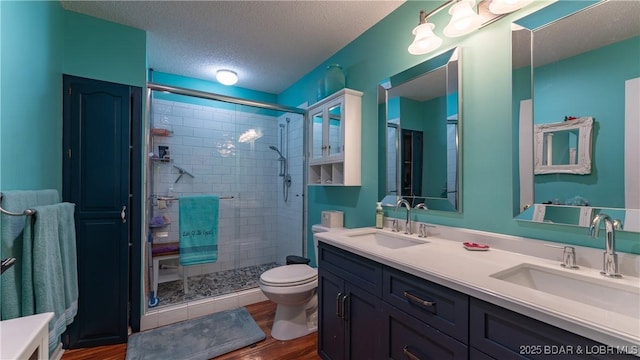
[603, 293]
[386, 240]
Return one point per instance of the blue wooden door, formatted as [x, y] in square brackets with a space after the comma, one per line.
[97, 178]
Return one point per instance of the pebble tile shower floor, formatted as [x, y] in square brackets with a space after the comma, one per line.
[212, 285]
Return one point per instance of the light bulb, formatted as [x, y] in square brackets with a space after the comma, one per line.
[425, 39]
[507, 6]
[463, 19]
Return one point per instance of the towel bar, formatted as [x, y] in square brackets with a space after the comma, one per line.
[160, 197]
[26, 212]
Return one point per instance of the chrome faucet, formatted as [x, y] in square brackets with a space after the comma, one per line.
[610, 258]
[422, 206]
[407, 224]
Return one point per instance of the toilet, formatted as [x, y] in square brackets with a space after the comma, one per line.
[293, 288]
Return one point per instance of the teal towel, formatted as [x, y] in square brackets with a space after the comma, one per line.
[198, 229]
[69, 259]
[11, 231]
[42, 272]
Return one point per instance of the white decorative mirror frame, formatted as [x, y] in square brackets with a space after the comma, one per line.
[544, 147]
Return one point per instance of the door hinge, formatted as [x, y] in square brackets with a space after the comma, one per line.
[69, 153]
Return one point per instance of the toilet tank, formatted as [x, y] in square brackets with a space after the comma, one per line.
[318, 228]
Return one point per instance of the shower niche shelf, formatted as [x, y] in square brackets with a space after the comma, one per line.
[334, 143]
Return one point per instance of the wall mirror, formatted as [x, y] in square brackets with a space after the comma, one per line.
[421, 111]
[578, 59]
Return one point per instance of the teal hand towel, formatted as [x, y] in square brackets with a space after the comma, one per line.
[11, 237]
[68, 258]
[42, 272]
[198, 229]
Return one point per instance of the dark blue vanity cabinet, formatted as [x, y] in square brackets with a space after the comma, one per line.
[498, 333]
[372, 311]
[349, 308]
[423, 320]
[355, 321]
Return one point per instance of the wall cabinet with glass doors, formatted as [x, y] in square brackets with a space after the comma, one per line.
[334, 139]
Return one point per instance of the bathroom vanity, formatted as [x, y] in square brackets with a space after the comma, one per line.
[387, 295]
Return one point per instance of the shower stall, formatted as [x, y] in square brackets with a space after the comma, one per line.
[250, 154]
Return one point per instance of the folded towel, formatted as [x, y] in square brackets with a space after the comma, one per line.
[68, 257]
[198, 229]
[11, 244]
[42, 271]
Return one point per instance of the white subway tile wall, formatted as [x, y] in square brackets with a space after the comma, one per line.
[256, 226]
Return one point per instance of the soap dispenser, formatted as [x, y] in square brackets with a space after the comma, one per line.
[379, 216]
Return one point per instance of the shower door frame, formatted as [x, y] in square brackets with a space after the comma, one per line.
[262, 105]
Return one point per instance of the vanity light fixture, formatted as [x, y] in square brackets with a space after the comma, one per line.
[425, 40]
[226, 77]
[466, 17]
[507, 6]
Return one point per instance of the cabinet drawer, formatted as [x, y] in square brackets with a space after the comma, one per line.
[365, 273]
[409, 338]
[504, 334]
[442, 308]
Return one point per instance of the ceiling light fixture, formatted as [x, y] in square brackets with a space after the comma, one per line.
[465, 18]
[226, 77]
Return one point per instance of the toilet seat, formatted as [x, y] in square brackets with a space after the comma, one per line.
[289, 275]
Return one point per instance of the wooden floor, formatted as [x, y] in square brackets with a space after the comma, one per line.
[304, 348]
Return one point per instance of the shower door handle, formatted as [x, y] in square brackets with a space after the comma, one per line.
[123, 214]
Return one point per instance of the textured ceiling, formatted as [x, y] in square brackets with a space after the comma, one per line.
[270, 44]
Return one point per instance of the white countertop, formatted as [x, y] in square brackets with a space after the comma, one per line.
[21, 336]
[446, 262]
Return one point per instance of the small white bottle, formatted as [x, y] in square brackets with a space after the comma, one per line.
[379, 216]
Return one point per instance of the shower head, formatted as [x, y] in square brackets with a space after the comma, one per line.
[272, 147]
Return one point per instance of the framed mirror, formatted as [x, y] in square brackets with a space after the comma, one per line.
[573, 60]
[421, 112]
[563, 147]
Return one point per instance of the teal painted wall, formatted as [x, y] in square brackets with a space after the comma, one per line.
[600, 79]
[40, 42]
[487, 130]
[31, 107]
[434, 176]
[103, 50]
